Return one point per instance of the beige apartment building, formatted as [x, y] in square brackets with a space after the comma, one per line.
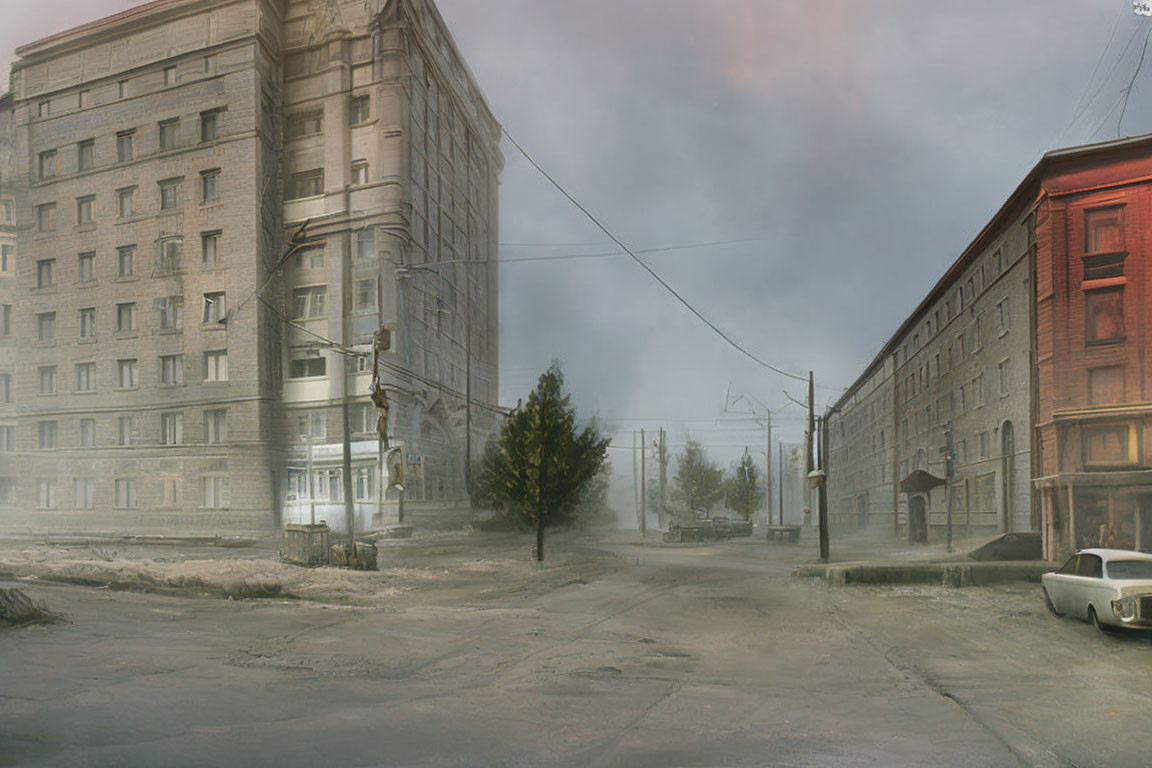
[179, 361]
[963, 357]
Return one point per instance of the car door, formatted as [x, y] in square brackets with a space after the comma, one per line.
[1088, 582]
[1062, 584]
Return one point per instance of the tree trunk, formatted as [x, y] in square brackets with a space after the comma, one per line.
[539, 535]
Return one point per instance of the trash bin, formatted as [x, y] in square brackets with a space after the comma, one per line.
[305, 544]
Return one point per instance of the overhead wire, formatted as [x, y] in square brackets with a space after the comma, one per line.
[1132, 82]
[653, 273]
[1085, 101]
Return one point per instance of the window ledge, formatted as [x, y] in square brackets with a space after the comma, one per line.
[126, 279]
[87, 283]
[214, 325]
[1002, 333]
[127, 335]
[209, 204]
[125, 389]
[215, 381]
[167, 331]
[171, 386]
[84, 392]
[87, 340]
[89, 227]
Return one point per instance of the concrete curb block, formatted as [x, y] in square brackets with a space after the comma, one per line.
[944, 574]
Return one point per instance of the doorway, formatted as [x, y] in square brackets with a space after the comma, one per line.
[861, 512]
[1144, 523]
[917, 520]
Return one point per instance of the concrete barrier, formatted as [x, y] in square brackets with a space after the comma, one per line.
[945, 574]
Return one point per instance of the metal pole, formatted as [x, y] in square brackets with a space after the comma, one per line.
[822, 494]
[663, 474]
[311, 475]
[349, 504]
[808, 447]
[643, 489]
[950, 472]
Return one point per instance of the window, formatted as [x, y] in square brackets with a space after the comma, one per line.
[5, 387]
[46, 326]
[209, 185]
[360, 172]
[171, 309]
[170, 491]
[169, 75]
[86, 155]
[126, 202]
[46, 434]
[1106, 385]
[215, 307]
[210, 248]
[978, 391]
[169, 255]
[1005, 316]
[310, 258]
[5, 320]
[43, 109]
[126, 317]
[171, 428]
[85, 207]
[125, 492]
[127, 373]
[307, 367]
[170, 194]
[46, 493]
[169, 130]
[1104, 315]
[124, 146]
[125, 260]
[359, 110]
[216, 425]
[1106, 445]
[83, 493]
[363, 484]
[87, 433]
[1005, 376]
[6, 210]
[306, 184]
[365, 419]
[216, 494]
[216, 365]
[46, 217]
[365, 295]
[305, 124]
[1104, 230]
[125, 431]
[986, 492]
[209, 125]
[86, 263]
[7, 438]
[312, 424]
[88, 323]
[309, 301]
[122, 89]
[983, 436]
[171, 369]
[365, 244]
[210, 64]
[47, 164]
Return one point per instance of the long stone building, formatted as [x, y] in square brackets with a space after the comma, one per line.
[1031, 348]
[223, 212]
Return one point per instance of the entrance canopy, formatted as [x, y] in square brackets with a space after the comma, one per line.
[920, 481]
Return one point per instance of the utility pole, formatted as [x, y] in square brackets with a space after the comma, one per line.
[949, 473]
[635, 476]
[663, 474]
[349, 504]
[768, 471]
[468, 380]
[822, 492]
[780, 483]
[311, 476]
[808, 438]
[643, 489]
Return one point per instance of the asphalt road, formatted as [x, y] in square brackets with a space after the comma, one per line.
[704, 655]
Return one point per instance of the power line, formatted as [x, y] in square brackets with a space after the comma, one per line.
[1083, 103]
[647, 268]
[1132, 82]
[607, 254]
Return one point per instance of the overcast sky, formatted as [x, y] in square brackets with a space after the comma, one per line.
[854, 148]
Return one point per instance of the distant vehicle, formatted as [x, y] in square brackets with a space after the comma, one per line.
[707, 529]
[1109, 588]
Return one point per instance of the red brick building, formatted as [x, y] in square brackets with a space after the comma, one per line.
[1092, 403]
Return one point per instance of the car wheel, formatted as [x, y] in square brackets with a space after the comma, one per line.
[1095, 621]
[1048, 604]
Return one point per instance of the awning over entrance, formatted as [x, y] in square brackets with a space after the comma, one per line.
[920, 481]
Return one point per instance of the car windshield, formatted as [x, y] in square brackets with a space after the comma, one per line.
[1130, 569]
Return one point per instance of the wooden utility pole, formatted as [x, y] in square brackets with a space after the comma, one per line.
[768, 470]
[808, 438]
[663, 474]
[635, 476]
[780, 484]
[643, 488]
[822, 494]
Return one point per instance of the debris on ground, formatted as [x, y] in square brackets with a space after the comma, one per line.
[17, 608]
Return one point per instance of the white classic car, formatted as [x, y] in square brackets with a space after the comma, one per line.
[1106, 587]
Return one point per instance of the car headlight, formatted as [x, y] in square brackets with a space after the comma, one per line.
[1125, 608]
